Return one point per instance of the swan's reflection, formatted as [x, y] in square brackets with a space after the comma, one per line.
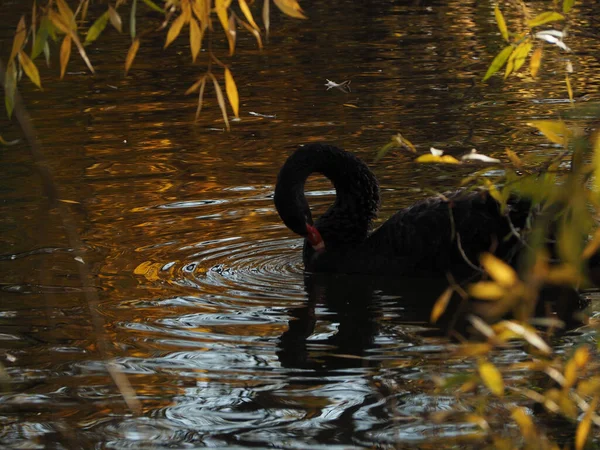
[356, 304]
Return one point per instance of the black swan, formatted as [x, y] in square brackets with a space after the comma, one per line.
[431, 237]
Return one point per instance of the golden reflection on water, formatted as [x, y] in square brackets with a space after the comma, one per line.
[206, 307]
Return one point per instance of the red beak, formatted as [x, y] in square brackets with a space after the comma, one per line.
[315, 239]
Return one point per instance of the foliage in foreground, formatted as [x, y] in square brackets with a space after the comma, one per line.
[55, 21]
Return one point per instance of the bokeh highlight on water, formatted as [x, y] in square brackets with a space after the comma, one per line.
[225, 340]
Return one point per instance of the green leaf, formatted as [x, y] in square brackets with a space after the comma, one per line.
[154, 6]
[567, 5]
[501, 23]
[498, 61]
[545, 17]
[97, 28]
[10, 87]
[40, 38]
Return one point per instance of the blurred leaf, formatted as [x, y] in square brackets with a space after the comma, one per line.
[40, 38]
[195, 38]
[290, 8]
[528, 333]
[66, 14]
[220, 100]
[589, 386]
[154, 6]
[594, 244]
[491, 377]
[10, 87]
[65, 54]
[555, 130]
[9, 143]
[487, 290]
[265, 16]
[567, 5]
[498, 61]
[247, 13]
[583, 429]
[175, 29]
[535, 62]
[133, 49]
[545, 17]
[115, 19]
[525, 423]
[149, 270]
[132, 20]
[517, 58]
[444, 159]
[569, 88]
[30, 69]
[19, 38]
[500, 271]
[564, 274]
[514, 158]
[501, 23]
[232, 93]
[468, 350]
[97, 28]
[582, 356]
[440, 305]
[570, 374]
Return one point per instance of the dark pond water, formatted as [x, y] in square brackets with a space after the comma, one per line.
[203, 299]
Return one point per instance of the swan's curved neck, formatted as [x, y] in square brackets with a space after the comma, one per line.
[348, 220]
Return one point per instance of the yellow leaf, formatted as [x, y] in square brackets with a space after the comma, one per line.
[133, 49]
[498, 61]
[19, 38]
[221, 9]
[175, 29]
[569, 88]
[583, 429]
[97, 28]
[567, 5]
[115, 19]
[194, 87]
[564, 274]
[535, 62]
[545, 17]
[440, 305]
[290, 8]
[255, 32]
[444, 159]
[220, 100]
[521, 54]
[555, 130]
[232, 92]
[30, 69]
[195, 38]
[491, 377]
[65, 54]
[501, 23]
[149, 270]
[589, 386]
[201, 10]
[247, 13]
[528, 333]
[58, 22]
[524, 421]
[581, 356]
[66, 14]
[570, 374]
[514, 158]
[468, 350]
[504, 275]
[266, 16]
[487, 290]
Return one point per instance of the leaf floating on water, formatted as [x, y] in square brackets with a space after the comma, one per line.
[444, 159]
[30, 69]
[491, 377]
[545, 17]
[498, 61]
[133, 49]
[290, 8]
[501, 23]
[344, 86]
[232, 93]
